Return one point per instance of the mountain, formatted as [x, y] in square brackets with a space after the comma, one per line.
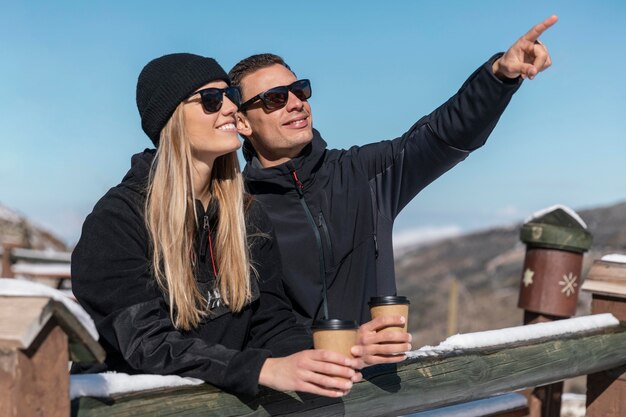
[487, 266]
[16, 228]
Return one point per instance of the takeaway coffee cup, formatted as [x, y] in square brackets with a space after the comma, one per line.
[336, 335]
[390, 305]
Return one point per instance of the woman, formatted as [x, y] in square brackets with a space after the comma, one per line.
[179, 268]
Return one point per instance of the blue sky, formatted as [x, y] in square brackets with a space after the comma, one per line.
[69, 123]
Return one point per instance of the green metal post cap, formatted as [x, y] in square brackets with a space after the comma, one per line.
[556, 229]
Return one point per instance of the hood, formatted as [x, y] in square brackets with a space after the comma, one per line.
[137, 179]
[306, 165]
[137, 176]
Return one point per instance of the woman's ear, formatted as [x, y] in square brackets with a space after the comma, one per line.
[243, 125]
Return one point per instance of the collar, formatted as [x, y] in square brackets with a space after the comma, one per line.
[306, 166]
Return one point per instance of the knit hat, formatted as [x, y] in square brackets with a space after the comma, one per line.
[166, 81]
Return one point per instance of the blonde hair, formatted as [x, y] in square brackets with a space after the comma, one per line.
[171, 220]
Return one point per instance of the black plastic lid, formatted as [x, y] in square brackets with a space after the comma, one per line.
[334, 324]
[388, 300]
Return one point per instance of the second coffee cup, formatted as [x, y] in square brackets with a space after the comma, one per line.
[390, 305]
[336, 335]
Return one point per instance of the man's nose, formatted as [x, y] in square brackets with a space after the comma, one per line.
[294, 103]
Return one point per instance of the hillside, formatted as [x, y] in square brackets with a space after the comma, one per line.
[16, 228]
[488, 267]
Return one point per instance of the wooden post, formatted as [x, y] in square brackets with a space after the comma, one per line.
[7, 248]
[453, 302]
[606, 391]
[34, 355]
[33, 363]
[556, 240]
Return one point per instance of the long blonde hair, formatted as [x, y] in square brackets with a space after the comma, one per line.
[171, 220]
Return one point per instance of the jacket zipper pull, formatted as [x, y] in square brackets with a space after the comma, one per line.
[204, 238]
[375, 246]
[299, 185]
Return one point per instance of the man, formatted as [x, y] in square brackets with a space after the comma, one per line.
[333, 210]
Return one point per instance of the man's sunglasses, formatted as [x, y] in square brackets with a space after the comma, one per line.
[212, 98]
[277, 97]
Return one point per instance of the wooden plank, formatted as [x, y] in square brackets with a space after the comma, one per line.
[607, 304]
[604, 287]
[52, 270]
[415, 385]
[507, 405]
[607, 271]
[21, 320]
[41, 255]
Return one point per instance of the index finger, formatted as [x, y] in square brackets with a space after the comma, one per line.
[382, 322]
[536, 31]
[324, 355]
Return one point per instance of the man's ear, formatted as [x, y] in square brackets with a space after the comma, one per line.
[243, 124]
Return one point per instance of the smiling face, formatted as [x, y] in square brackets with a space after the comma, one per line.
[277, 135]
[210, 134]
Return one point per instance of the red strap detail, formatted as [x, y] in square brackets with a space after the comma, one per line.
[211, 252]
[295, 177]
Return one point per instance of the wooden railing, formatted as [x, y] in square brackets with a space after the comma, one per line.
[423, 382]
[414, 385]
[32, 263]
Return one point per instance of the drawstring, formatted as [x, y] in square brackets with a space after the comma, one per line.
[207, 229]
[211, 253]
[299, 185]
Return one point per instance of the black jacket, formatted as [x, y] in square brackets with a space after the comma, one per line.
[333, 210]
[112, 280]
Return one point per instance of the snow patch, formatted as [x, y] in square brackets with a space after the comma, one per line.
[25, 288]
[615, 257]
[510, 335]
[566, 209]
[111, 383]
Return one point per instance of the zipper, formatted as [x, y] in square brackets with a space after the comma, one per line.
[375, 246]
[204, 238]
[300, 189]
[322, 225]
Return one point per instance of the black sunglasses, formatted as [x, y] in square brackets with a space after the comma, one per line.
[277, 97]
[212, 98]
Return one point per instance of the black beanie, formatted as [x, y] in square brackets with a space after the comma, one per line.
[166, 81]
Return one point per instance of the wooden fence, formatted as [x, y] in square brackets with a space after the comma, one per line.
[392, 390]
[36, 264]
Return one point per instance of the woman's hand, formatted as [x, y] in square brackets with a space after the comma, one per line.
[375, 347]
[320, 372]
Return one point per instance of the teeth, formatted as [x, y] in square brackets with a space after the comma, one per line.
[228, 126]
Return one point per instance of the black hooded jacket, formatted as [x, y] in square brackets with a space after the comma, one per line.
[113, 281]
[333, 210]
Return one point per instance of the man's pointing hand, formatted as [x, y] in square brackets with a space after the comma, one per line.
[528, 56]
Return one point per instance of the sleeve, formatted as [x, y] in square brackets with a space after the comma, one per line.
[111, 279]
[399, 169]
[274, 325]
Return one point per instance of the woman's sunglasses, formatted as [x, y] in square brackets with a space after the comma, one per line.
[277, 97]
[213, 98]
